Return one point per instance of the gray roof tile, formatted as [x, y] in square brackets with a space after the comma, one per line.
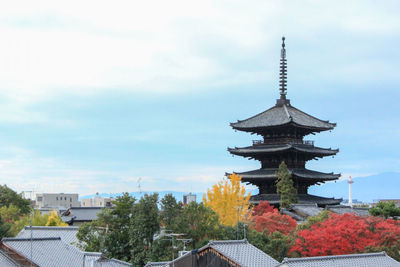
[359, 260]
[81, 214]
[243, 253]
[281, 115]
[6, 261]
[50, 252]
[67, 234]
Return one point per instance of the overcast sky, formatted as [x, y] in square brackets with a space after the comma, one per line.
[95, 95]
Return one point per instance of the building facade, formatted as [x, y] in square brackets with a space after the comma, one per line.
[56, 200]
[97, 201]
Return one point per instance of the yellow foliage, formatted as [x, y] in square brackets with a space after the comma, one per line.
[226, 197]
[55, 220]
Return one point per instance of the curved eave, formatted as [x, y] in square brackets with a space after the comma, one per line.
[259, 151]
[303, 199]
[270, 174]
[261, 129]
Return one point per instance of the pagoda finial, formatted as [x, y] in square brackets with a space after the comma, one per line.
[283, 72]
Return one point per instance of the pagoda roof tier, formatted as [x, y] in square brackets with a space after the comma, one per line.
[282, 114]
[270, 174]
[303, 199]
[257, 151]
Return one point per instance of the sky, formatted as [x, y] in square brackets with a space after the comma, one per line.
[100, 96]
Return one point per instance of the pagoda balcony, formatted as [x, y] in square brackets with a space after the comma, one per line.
[283, 141]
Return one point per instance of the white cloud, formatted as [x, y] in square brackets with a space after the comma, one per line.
[87, 47]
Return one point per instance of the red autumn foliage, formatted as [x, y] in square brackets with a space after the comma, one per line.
[261, 208]
[346, 234]
[274, 222]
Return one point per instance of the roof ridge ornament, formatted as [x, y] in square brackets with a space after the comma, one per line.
[283, 77]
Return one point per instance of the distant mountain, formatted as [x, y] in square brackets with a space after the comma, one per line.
[366, 189]
[161, 194]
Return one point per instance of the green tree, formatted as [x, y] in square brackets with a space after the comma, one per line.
[4, 228]
[199, 223]
[385, 209]
[170, 210]
[314, 220]
[10, 197]
[144, 224]
[276, 244]
[285, 187]
[109, 234]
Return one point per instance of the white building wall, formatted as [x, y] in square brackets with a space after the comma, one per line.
[46, 200]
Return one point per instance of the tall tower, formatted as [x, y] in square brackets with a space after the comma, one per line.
[283, 128]
[350, 182]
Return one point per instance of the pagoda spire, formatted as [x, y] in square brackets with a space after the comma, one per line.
[283, 71]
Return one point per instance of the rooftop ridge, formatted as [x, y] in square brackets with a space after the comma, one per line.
[71, 228]
[383, 253]
[214, 242]
[8, 239]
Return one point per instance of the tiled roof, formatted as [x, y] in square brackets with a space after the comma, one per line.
[157, 264]
[303, 199]
[271, 174]
[306, 209]
[47, 252]
[102, 262]
[359, 260]
[265, 149]
[281, 115]
[81, 214]
[346, 209]
[67, 234]
[242, 253]
[50, 252]
[6, 261]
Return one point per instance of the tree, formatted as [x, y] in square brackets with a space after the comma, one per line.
[285, 187]
[144, 224]
[199, 223]
[10, 197]
[274, 222]
[228, 198]
[170, 210]
[385, 209]
[347, 234]
[4, 228]
[110, 233]
[55, 220]
[314, 220]
[276, 244]
[261, 208]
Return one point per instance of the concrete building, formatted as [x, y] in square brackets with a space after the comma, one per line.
[187, 198]
[97, 201]
[57, 200]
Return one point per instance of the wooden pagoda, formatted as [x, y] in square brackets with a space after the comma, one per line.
[283, 128]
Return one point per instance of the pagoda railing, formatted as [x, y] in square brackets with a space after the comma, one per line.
[283, 141]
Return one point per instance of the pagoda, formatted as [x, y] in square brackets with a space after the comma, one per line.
[283, 128]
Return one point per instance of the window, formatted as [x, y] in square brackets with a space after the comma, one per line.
[39, 199]
[56, 198]
[70, 199]
[65, 198]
